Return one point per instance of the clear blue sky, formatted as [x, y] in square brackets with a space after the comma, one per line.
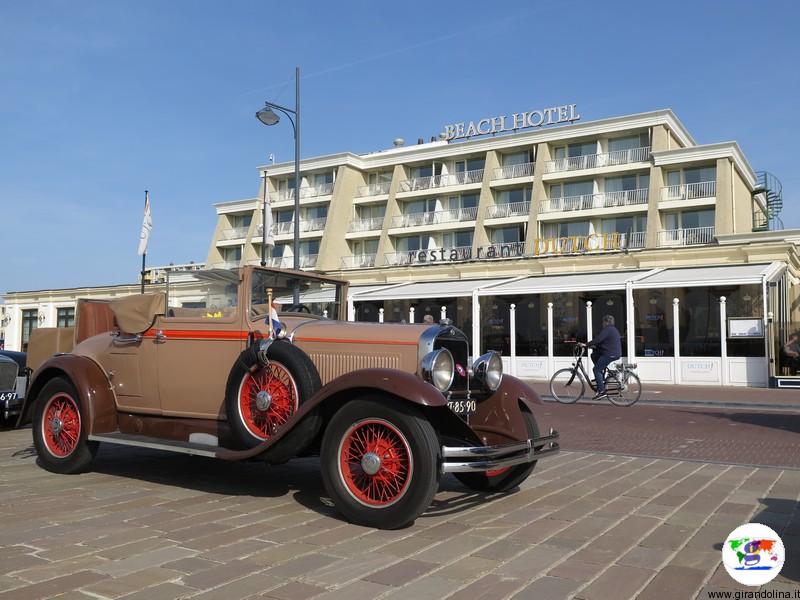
[102, 100]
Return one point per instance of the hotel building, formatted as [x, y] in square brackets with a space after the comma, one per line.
[525, 240]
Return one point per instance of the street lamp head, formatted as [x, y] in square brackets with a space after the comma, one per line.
[267, 116]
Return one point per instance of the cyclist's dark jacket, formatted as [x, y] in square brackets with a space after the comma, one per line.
[608, 342]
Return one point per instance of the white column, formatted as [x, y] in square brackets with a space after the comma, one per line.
[411, 314]
[513, 335]
[676, 339]
[444, 312]
[14, 329]
[588, 332]
[723, 339]
[550, 365]
[325, 313]
[476, 326]
[630, 321]
[351, 309]
[380, 315]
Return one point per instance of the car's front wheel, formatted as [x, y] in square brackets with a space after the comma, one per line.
[380, 462]
[59, 429]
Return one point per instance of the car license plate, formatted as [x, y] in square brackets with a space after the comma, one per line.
[8, 396]
[462, 407]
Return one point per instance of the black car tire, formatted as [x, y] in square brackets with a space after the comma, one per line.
[508, 479]
[290, 377]
[59, 429]
[406, 462]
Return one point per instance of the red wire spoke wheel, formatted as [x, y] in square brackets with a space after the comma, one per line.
[61, 425]
[268, 398]
[375, 462]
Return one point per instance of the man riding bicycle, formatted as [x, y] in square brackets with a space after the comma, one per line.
[607, 348]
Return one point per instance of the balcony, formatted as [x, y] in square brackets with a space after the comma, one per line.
[409, 257]
[513, 209]
[689, 191]
[635, 239]
[226, 264]
[440, 181]
[358, 261]
[514, 171]
[307, 261]
[594, 161]
[591, 201]
[438, 217]
[235, 233]
[306, 226]
[373, 189]
[686, 237]
[359, 225]
[324, 189]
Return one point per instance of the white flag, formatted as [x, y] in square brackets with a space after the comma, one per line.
[147, 226]
[270, 237]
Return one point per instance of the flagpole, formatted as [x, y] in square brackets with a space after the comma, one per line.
[144, 254]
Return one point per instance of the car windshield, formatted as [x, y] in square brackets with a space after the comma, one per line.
[320, 298]
[211, 294]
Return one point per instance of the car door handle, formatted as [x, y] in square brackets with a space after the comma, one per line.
[160, 336]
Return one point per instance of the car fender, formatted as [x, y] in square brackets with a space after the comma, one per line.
[498, 419]
[402, 385]
[95, 393]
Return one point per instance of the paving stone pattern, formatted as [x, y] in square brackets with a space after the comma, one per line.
[150, 525]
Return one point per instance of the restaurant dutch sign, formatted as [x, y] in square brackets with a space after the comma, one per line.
[566, 113]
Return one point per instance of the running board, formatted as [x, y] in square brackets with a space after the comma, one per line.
[141, 441]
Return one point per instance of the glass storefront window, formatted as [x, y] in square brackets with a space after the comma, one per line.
[569, 321]
[531, 326]
[653, 323]
[495, 324]
[745, 301]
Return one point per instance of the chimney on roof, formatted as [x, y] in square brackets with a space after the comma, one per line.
[420, 140]
[398, 142]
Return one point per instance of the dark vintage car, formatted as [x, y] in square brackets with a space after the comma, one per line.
[13, 378]
[262, 365]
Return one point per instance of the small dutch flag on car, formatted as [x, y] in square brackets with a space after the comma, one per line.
[276, 324]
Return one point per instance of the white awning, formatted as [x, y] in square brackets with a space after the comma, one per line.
[578, 282]
[706, 276]
[426, 289]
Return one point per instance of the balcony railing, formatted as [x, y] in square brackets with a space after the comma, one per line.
[372, 224]
[323, 189]
[411, 256]
[235, 233]
[374, 189]
[635, 239]
[593, 161]
[512, 209]
[307, 261]
[514, 171]
[689, 191]
[358, 261]
[317, 224]
[590, 201]
[440, 181]
[686, 237]
[281, 227]
[226, 264]
[453, 215]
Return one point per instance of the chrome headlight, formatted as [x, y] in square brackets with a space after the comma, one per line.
[438, 368]
[488, 369]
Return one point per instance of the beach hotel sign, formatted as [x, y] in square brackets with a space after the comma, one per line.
[579, 244]
[566, 113]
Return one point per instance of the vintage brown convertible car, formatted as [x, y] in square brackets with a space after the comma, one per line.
[388, 408]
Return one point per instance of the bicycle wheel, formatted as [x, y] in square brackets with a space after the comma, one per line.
[629, 389]
[567, 386]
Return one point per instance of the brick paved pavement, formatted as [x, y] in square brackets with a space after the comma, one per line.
[151, 525]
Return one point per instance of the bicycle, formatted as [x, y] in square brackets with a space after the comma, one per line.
[622, 385]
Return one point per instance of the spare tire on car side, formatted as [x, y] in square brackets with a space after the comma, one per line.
[260, 398]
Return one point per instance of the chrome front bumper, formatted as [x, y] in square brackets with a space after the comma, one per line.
[464, 459]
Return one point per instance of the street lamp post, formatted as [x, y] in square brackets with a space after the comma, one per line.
[268, 117]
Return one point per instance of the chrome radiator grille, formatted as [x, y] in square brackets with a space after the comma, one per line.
[8, 375]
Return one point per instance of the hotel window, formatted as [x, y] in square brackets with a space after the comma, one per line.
[284, 216]
[462, 201]
[574, 150]
[514, 196]
[30, 321]
[371, 211]
[689, 219]
[624, 224]
[699, 174]
[508, 235]
[572, 189]
[566, 229]
[469, 164]
[365, 247]
[457, 239]
[281, 250]
[241, 221]
[379, 178]
[323, 178]
[420, 206]
[309, 248]
[411, 242]
[286, 184]
[426, 170]
[65, 317]
[629, 142]
[232, 255]
[517, 158]
[316, 212]
[626, 183]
